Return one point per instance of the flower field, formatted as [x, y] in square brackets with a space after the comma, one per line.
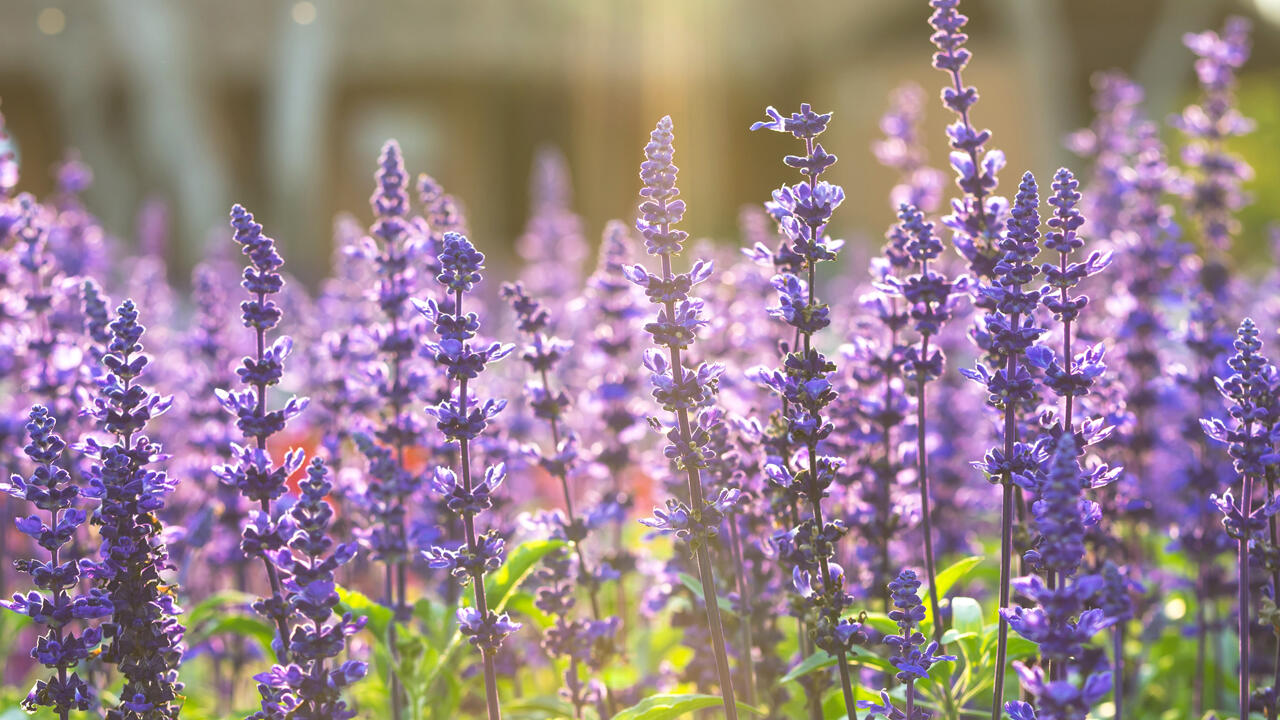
[1016, 460]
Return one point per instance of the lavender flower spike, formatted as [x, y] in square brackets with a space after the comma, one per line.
[146, 637]
[462, 418]
[803, 212]
[308, 689]
[57, 603]
[675, 387]
[252, 471]
[1250, 392]
[1011, 329]
[911, 656]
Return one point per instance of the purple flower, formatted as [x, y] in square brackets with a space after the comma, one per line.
[58, 602]
[463, 418]
[146, 642]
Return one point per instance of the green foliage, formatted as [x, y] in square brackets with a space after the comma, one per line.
[666, 707]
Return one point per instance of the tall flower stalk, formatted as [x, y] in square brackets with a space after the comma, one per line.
[1058, 622]
[309, 687]
[913, 655]
[975, 217]
[57, 602]
[1249, 392]
[589, 642]
[462, 418]
[679, 389]
[1010, 326]
[931, 298]
[803, 212]
[393, 248]
[146, 636]
[251, 470]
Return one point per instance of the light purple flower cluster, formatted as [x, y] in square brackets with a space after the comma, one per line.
[679, 389]
[145, 633]
[462, 418]
[57, 603]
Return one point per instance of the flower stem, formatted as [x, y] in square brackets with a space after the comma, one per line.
[696, 504]
[1006, 537]
[744, 601]
[469, 525]
[1246, 507]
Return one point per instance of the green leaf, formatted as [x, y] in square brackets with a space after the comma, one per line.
[360, 605]
[498, 586]
[695, 586]
[216, 604]
[666, 707]
[817, 661]
[249, 626]
[948, 578]
[966, 619]
[537, 707]
[499, 589]
[522, 603]
[822, 659]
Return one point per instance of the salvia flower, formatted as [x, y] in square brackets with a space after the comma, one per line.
[1215, 195]
[309, 687]
[803, 212]
[252, 471]
[975, 218]
[1250, 393]
[1008, 330]
[145, 635]
[912, 656]
[57, 602]
[1058, 621]
[677, 388]
[462, 418]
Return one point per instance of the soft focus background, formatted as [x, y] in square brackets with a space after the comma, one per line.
[185, 107]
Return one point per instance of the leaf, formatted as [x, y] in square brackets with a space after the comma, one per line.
[946, 580]
[822, 659]
[215, 604]
[953, 574]
[695, 586]
[247, 626]
[522, 603]
[360, 605]
[520, 561]
[538, 707]
[966, 619]
[817, 661]
[668, 706]
[499, 588]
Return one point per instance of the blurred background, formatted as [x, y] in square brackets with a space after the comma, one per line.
[283, 104]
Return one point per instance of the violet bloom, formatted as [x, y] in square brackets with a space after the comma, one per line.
[57, 602]
[251, 470]
[1010, 327]
[976, 216]
[1215, 192]
[589, 642]
[1072, 378]
[931, 299]
[1250, 392]
[463, 418]
[1058, 622]
[902, 149]
[146, 637]
[679, 389]
[393, 248]
[309, 687]
[912, 654]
